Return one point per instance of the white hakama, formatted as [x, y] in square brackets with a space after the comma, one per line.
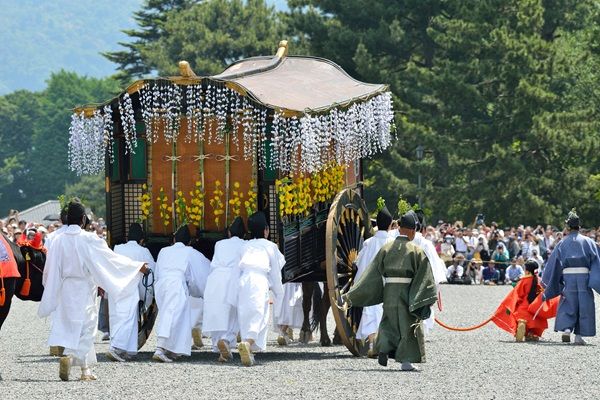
[78, 263]
[260, 266]
[196, 312]
[197, 286]
[438, 267]
[178, 275]
[371, 316]
[123, 311]
[220, 317]
[290, 312]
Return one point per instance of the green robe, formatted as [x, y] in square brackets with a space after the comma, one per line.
[404, 304]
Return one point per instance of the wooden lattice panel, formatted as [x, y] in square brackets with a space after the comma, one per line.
[131, 204]
[117, 220]
[273, 217]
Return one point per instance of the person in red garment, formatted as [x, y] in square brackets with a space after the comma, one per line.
[9, 273]
[523, 313]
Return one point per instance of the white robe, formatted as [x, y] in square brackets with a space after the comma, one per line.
[48, 244]
[290, 312]
[123, 310]
[438, 267]
[260, 266]
[199, 272]
[371, 316]
[179, 274]
[220, 317]
[78, 263]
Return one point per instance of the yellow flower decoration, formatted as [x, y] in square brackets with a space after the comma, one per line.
[235, 202]
[164, 207]
[216, 202]
[250, 204]
[181, 209]
[195, 210]
[145, 203]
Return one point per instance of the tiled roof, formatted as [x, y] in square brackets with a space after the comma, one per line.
[39, 212]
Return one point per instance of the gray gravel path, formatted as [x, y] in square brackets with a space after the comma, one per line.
[482, 364]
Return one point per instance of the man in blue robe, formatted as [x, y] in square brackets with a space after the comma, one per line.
[572, 271]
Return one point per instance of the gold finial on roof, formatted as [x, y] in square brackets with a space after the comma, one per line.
[282, 51]
[185, 70]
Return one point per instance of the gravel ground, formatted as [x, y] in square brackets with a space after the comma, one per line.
[481, 364]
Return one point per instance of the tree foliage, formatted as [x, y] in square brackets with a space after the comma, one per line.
[209, 34]
[150, 19]
[90, 189]
[34, 135]
[491, 89]
[503, 95]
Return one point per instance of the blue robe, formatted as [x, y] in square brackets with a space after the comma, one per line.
[576, 310]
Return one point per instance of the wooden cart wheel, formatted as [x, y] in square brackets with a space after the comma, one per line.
[348, 225]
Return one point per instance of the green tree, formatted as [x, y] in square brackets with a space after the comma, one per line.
[487, 87]
[213, 34]
[19, 115]
[90, 189]
[49, 166]
[150, 20]
[34, 136]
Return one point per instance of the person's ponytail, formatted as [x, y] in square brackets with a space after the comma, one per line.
[531, 266]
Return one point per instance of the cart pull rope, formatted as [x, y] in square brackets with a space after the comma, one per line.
[469, 328]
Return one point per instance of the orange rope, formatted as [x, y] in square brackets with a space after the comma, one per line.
[470, 328]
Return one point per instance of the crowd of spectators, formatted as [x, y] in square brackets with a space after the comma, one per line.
[489, 255]
[13, 227]
[480, 254]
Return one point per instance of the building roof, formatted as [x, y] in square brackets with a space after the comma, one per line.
[38, 212]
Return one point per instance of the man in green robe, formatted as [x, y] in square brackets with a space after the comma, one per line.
[401, 278]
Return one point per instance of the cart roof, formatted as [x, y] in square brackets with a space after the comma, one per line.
[292, 85]
[307, 111]
[302, 84]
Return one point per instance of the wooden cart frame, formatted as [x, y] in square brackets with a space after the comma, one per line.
[242, 136]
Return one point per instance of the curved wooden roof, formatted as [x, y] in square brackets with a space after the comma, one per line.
[301, 84]
[292, 85]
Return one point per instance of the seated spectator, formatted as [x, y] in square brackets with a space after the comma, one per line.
[454, 273]
[447, 250]
[514, 272]
[513, 246]
[500, 257]
[537, 257]
[490, 275]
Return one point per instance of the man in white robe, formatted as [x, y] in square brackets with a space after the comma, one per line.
[179, 274]
[78, 262]
[123, 311]
[438, 267]
[220, 320]
[54, 350]
[371, 315]
[260, 266]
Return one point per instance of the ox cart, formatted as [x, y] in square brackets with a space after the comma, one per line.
[282, 134]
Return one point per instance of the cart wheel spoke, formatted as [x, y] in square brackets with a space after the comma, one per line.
[348, 225]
